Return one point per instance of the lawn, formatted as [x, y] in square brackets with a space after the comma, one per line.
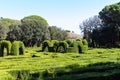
[61, 66]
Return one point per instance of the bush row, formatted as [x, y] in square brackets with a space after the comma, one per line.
[14, 48]
[78, 46]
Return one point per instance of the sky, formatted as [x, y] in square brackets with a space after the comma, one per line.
[65, 14]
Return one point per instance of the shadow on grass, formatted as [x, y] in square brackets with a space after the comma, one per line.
[39, 51]
[98, 71]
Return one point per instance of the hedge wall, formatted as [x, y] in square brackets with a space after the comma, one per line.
[78, 46]
[5, 44]
[62, 47]
[17, 48]
[85, 45]
[45, 45]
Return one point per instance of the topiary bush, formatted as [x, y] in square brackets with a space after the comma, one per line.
[62, 47]
[5, 44]
[69, 42]
[21, 48]
[17, 48]
[84, 41]
[46, 44]
[55, 45]
[77, 46]
[50, 46]
[80, 46]
[85, 45]
[73, 48]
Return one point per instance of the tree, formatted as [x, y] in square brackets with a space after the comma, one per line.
[14, 33]
[34, 30]
[88, 26]
[38, 18]
[110, 16]
[57, 33]
[2, 32]
[6, 26]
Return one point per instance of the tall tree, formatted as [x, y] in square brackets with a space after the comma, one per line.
[14, 33]
[5, 25]
[88, 26]
[2, 31]
[34, 30]
[57, 33]
[110, 16]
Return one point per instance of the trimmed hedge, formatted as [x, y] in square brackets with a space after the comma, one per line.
[80, 46]
[55, 44]
[69, 42]
[77, 46]
[50, 46]
[45, 45]
[85, 45]
[62, 47]
[5, 44]
[17, 48]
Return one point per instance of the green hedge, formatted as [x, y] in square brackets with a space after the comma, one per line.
[85, 45]
[69, 42]
[76, 47]
[45, 45]
[55, 44]
[5, 44]
[21, 48]
[73, 48]
[62, 47]
[17, 48]
[50, 46]
[80, 46]
[70, 46]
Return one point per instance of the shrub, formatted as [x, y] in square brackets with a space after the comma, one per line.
[78, 39]
[62, 47]
[17, 48]
[85, 45]
[21, 48]
[80, 46]
[76, 47]
[55, 45]
[54, 41]
[84, 41]
[5, 44]
[73, 48]
[69, 42]
[45, 45]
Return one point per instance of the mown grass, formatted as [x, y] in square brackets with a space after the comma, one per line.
[74, 64]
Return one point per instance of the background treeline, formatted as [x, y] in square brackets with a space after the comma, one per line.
[32, 30]
[103, 30]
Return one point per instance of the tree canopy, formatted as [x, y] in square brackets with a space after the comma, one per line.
[104, 31]
[108, 34]
[111, 14]
[32, 30]
[36, 17]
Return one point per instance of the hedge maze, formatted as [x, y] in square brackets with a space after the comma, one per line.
[78, 46]
[14, 48]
